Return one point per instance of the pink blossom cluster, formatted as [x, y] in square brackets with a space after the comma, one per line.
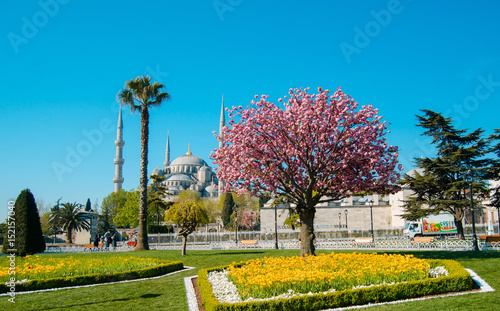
[316, 145]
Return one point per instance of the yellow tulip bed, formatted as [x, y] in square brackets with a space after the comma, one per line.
[36, 267]
[327, 281]
[43, 272]
[269, 277]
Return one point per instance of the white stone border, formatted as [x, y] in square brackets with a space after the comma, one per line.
[484, 288]
[191, 296]
[186, 268]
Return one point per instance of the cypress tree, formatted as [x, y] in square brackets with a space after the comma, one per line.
[88, 206]
[28, 231]
[227, 209]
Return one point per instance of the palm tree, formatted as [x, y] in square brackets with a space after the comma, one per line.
[141, 95]
[70, 218]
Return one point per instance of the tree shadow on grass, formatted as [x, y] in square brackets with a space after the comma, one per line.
[81, 304]
[145, 296]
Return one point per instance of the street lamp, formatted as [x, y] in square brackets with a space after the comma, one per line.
[371, 218]
[236, 224]
[474, 237]
[346, 227]
[276, 224]
[340, 226]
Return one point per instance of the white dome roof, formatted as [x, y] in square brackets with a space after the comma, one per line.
[211, 189]
[418, 170]
[188, 159]
[179, 177]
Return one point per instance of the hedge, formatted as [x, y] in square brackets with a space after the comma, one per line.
[458, 280]
[95, 278]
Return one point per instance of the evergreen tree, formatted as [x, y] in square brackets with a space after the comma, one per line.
[494, 173]
[28, 231]
[442, 183]
[88, 207]
[227, 209]
[105, 221]
[156, 199]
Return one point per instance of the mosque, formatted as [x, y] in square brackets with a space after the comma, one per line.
[187, 172]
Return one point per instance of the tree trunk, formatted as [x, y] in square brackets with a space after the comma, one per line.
[184, 243]
[460, 229]
[69, 234]
[142, 237]
[307, 237]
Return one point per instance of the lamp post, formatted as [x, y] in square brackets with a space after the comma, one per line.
[474, 237]
[236, 224]
[371, 219]
[251, 222]
[276, 225]
[346, 227]
[340, 225]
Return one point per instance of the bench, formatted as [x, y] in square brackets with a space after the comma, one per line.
[363, 240]
[423, 239]
[90, 247]
[248, 242]
[489, 240]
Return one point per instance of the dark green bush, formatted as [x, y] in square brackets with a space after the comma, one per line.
[457, 280]
[95, 278]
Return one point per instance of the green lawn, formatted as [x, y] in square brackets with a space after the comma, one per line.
[168, 293]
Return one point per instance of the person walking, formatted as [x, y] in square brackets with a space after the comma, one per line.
[96, 242]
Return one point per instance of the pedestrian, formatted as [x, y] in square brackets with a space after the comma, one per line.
[114, 237]
[107, 238]
[96, 241]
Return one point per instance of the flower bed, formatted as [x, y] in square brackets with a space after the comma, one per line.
[327, 281]
[35, 272]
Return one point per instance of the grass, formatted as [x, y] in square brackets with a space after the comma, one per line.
[168, 293]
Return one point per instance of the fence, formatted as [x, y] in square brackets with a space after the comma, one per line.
[384, 240]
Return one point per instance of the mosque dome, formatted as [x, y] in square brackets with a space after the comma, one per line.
[156, 171]
[413, 172]
[180, 177]
[211, 189]
[188, 159]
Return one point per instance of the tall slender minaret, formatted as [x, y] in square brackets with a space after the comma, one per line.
[118, 179]
[221, 140]
[167, 153]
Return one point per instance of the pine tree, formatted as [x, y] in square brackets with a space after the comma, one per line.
[442, 183]
[227, 209]
[494, 173]
[28, 231]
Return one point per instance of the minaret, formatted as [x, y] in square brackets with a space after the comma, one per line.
[118, 180]
[167, 153]
[221, 140]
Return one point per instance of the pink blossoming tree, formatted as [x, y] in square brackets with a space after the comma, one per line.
[315, 149]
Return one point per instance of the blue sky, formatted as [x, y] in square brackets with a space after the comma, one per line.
[63, 62]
